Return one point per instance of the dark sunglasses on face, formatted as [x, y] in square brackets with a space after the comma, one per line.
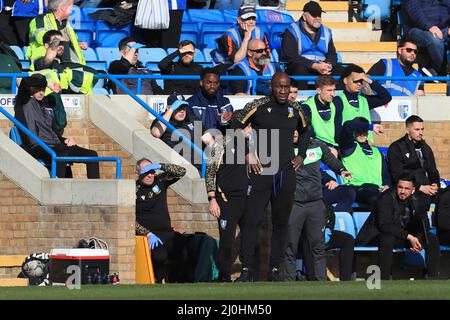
[360, 81]
[409, 50]
[258, 50]
[187, 53]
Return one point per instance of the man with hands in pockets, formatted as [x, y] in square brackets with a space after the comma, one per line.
[152, 213]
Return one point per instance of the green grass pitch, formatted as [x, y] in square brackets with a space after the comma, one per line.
[407, 290]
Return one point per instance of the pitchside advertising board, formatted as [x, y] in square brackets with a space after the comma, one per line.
[397, 110]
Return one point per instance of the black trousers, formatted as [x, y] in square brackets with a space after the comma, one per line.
[367, 194]
[161, 254]
[388, 242]
[62, 150]
[338, 240]
[279, 189]
[295, 69]
[14, 30]
[232, 208]
[167, 38]
[343, 196]
[444, 237]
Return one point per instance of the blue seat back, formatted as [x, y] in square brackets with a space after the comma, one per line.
[85, 36]
[75, 17]
[97, 65]
[201, 15]
[209, 39]
[25, 64]
[151, 55]
[14, 134]
[108, 54]
[344, 223]
[190, 26]
[273, 17]
[86, 11]
[207, 54]
[359, 218]
[18, 51]
[109, 38]
[275, 56]
[90, 54]
[105, 26]
[190, 35]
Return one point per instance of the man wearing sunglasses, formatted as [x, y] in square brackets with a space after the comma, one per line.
[308, 46]
[400, 67]
[152, 213]
[232, 46]
[130, 64]
[257, 63]
[351, 103]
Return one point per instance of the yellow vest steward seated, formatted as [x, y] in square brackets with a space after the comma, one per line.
[78, 81]
[39, 26]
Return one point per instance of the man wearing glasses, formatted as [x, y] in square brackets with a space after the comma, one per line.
[400, 67]
[351, 103]
[308, 46]
[232, 46]
[257, 63]
[152, 213]
[184, 66]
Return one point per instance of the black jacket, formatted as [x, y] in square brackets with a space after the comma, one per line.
[442, 212]
[402, 158]
[386, 218]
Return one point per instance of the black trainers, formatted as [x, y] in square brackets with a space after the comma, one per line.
[275, 275]
[245, 276]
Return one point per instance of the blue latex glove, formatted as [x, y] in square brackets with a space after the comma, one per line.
[178, 104]
[147, 168]
[327, 235]
[153, 241]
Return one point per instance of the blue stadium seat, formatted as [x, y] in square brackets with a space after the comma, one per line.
[14, 134]
[97, 65]
[108, 54]
[359, 218]
[201, 15]
[381, 9]
[85, 36]
[153, 66]
[105, 26]
[190, 35]
[273, 17]
[18, 51]
[90, 55]
[190, 27]
[209, 39]
[275, 57]
[88, 25]
[25, 64]
[109, 38]
[151, 55]
[344, 223]
[207, 54]
[97, 90]
[230, 15]
[24, 50]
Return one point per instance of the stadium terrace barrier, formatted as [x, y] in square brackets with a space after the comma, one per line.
[52, 153]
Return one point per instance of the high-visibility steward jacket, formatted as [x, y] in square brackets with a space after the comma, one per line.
[364, 168]
[77, 80]
[399, 87]
[324, 129]
[306, 47]
[219, 57]
[349, 112]
[244, 65]
[39, 26]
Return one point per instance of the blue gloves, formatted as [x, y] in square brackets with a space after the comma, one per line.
[150, 167]
[327, 235]
[153, 241]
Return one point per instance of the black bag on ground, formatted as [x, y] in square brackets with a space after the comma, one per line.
[194, 258]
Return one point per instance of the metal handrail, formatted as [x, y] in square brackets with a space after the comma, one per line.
[52, 153]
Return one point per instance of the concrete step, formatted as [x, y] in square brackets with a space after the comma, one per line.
[355, 35]
[330, 16]
[14, 282]
[365, 57]
[366, 46]
[435, 88]
[326, 5]
[12, 260]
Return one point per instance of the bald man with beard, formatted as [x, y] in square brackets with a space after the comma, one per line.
[272, 167]
[256, 63]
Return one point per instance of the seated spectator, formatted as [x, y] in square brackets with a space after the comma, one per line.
[152, 213]
[322, 112]
[400, 67]
[412, 155]
[427, 23]
[366, 163]
[256, 63]
[70, 77]
[232, 46]
[293, 91]
[308, 46]
[130, 64]
[340, 197]
[178, 116]
[184, 66]
[209, 104]
[56, 19]
[36, 113]
[400, 221]
[351, 103]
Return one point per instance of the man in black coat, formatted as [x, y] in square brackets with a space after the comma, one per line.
[412, 155]
[400, 220]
